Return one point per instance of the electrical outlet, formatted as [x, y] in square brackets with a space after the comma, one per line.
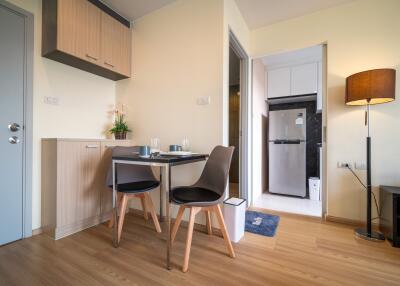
[360, 165]
[343, 164]
[51, 100]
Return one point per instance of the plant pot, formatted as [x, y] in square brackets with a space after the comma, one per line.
[120, 135]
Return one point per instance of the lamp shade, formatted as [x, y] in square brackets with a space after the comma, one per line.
[371, 87]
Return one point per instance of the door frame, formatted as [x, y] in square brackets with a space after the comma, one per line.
[324, 180]
[244, 169]
[28, 117]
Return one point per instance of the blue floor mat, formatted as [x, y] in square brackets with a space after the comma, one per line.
[261, 223]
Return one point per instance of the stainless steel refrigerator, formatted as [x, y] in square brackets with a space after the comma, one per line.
[287, 152]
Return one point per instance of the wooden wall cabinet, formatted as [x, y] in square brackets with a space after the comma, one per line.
[87, 35]
[74, 194]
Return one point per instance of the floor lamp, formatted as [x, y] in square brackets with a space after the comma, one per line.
[368, 88]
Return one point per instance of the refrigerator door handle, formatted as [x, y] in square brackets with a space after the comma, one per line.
[296, 141]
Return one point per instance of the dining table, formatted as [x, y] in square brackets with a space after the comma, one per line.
[165, 162]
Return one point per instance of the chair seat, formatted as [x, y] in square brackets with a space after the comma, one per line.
[187, 195]
[137, 187]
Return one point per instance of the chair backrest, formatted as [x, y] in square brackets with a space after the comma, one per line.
[216, 171]
[127, 173]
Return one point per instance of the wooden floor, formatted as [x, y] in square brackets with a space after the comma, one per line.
[303, 252]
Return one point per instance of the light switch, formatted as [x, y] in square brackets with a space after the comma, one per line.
[204, 100]
[51, 100]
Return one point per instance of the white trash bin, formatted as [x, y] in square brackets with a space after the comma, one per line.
[234, 216]
[314, 188]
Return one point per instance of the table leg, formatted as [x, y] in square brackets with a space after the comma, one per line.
[115, 207]
[168, 213]
[162, 191]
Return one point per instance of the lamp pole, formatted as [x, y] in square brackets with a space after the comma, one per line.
[369, 188]
[361, 232]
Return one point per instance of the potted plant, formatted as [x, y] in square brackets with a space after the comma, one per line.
[120, 128]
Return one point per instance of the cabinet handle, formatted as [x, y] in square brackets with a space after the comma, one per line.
[90, 57]
[92, 146]
[107, 64]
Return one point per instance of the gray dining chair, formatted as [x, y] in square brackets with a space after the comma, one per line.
[133, 181]
[205, 195]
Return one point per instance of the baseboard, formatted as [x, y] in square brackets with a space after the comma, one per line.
[197, 226]
[37, 231]
[348, 221]
[63, 231]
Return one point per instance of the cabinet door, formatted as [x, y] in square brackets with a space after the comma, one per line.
[78, 185]
[108, 41]
[278, 82]
[67, 26]
[124, 50]
[89, 34]
[115, 45]
[304, 79]
[90, 183]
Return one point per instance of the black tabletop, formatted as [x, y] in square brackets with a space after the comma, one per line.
[167, 159]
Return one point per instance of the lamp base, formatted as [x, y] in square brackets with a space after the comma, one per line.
[373, 236]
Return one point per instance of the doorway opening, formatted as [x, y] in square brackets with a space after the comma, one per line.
[288, 124]
[238, 124]
[234, 120]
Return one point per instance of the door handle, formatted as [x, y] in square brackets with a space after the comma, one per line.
[14, 127]
[91, 146]
[13, 140]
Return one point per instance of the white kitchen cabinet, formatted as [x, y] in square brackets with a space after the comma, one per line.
[278, 82]
[304, 79]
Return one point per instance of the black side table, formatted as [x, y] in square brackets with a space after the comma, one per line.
[389, 200]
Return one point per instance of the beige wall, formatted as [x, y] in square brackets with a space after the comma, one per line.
[259, 109]
[360, 35]
[84, 103]
[177, 58]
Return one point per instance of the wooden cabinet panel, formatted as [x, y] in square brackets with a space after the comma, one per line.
[125, 50]
[79, 196]
[87, 35]
[67, 26]
[93, 27]
[74, 193]
[115, 45]
[108, 41]
[90, 183]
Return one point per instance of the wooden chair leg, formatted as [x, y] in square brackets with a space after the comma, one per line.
[111, 221]
[153, 213]
[217, 210]
[208, 222]
[177, 223]
[144, 207]
[193, 211]
[124, 203]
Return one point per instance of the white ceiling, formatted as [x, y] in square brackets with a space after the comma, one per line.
[258, 13]
[134, 9]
